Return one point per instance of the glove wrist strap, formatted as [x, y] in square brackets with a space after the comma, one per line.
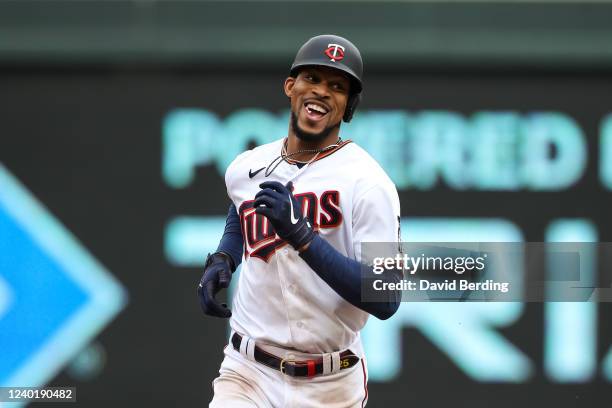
[220, 256]
[301, 236]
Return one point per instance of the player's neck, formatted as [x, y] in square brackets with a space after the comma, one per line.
[295, 144]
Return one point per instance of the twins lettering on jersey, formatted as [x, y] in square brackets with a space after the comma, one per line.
[260, 239]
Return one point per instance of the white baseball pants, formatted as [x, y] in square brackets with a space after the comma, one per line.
[243, 383]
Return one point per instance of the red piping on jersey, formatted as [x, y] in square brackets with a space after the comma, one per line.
[365, 384]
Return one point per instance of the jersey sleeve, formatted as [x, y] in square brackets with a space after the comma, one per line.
[231, 176]
[376, 218]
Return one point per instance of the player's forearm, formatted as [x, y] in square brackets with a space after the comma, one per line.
[343, 275]
[232, 242]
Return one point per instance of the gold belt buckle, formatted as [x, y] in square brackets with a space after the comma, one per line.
[282, 364]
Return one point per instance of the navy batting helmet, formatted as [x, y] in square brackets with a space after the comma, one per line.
[335, 52]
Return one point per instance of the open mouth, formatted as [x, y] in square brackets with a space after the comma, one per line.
[315, 111]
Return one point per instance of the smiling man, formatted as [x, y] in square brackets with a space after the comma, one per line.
[301, 207]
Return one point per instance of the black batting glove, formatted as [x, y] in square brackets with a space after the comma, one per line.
[217, 275]
[277, 203]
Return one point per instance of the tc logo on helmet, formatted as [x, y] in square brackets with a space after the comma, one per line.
[335, 52]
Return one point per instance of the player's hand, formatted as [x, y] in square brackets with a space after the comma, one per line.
[277, 203]
[217, 275]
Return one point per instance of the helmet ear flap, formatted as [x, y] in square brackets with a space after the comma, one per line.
[351, 106]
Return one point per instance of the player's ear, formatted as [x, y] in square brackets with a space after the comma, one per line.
[289, 83]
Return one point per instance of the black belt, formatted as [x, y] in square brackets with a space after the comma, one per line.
[293, 368]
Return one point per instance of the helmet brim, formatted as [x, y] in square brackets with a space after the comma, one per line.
[355, 81]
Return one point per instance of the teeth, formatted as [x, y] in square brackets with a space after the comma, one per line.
[317, 108]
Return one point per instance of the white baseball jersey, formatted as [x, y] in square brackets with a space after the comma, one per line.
[280, 300]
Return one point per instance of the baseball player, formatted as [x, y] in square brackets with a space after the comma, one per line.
[301, 208]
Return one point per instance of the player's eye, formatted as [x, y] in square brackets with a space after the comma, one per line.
[338, 87]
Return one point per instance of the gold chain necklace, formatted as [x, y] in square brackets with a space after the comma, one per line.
[285, 156]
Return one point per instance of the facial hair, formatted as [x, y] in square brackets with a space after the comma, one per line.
[308, 136]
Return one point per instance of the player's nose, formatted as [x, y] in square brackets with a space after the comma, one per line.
[321, 90]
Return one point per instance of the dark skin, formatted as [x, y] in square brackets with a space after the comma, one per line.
[325, 87]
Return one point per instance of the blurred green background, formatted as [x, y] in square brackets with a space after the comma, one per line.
[394, 33]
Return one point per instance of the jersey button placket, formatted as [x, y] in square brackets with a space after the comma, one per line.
[284, 264]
